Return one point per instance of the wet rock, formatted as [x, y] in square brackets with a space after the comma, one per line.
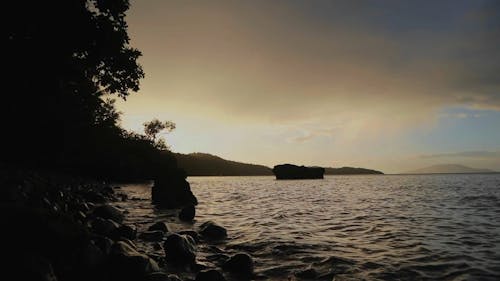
[240, 264]
[33, 267]
[161, 226]
[152, 236]
[171, 190]
[125, 231]
[174, 277]
[180, 249]
[128, 242]
[309, 273]
[104, 227]
[187, 213]
[104, 243]
[157, 246]
[160, 276]
[94, 197]
[210, 275]
[191, 233]
[126, 263]
[213, 231]
[108, 212]
[92, 256]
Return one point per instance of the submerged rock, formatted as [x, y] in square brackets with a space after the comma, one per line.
[161, 226]
[240, 264]
[180, 249]
[213, 231]
[210, 275]
[187, 213]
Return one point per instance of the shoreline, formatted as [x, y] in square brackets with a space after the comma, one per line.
[86, 237]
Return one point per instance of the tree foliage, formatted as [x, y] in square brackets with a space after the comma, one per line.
[64, 61]
[154, 127]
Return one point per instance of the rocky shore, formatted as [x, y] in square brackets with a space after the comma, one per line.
[58, 227]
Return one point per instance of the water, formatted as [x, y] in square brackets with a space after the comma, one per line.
[422, 227]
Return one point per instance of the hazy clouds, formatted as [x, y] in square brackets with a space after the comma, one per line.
[339, 68]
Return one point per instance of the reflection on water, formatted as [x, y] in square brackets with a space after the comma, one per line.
[442, 227]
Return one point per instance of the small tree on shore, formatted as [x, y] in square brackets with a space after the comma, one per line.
[153, 128]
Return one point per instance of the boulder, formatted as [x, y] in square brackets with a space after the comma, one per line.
[171, 190]
[108, 212]
[126, 263]
[92, 256]
[210, 275]
[125, 231]
[191, 233]
[106, 227]
[240, 264]
[212, 231]
[308, 273]
[160, 276]
[180, 249]
[161, 226]
[187, 213]
[152, 236]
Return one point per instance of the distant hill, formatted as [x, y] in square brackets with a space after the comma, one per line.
[448, 169]
[204, 164]
[351, 171]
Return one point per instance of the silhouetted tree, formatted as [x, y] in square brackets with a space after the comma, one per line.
[154, 127]
[61, 59]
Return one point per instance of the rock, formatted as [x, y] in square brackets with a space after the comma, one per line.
[240, 264]
[128, 242]
[180, 249]
[160, 276]
[104, 243]
[128, 264]
[191, 233]
[94, 197]
[171, 190]
[289, 171]
[125, 231]
[104, 227]
[108, 212]
[210, 275]
[174, 277]
[187, 213]
[309, 273]
[34, 268]
[92, 256]
[161, 226]
[212, 231]
[152, 236]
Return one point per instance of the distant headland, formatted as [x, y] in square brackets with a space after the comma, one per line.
[449, 169]
[204, 164]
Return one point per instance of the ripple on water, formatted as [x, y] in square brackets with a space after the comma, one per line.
[439, 227]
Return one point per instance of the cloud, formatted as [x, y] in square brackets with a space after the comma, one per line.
[362, 68]
[464, 154]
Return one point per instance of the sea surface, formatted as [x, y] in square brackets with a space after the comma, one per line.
[383, 227]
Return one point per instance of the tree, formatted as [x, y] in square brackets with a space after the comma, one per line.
[154, 127]
[62, 60]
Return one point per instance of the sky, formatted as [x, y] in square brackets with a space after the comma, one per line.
[391, 85]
